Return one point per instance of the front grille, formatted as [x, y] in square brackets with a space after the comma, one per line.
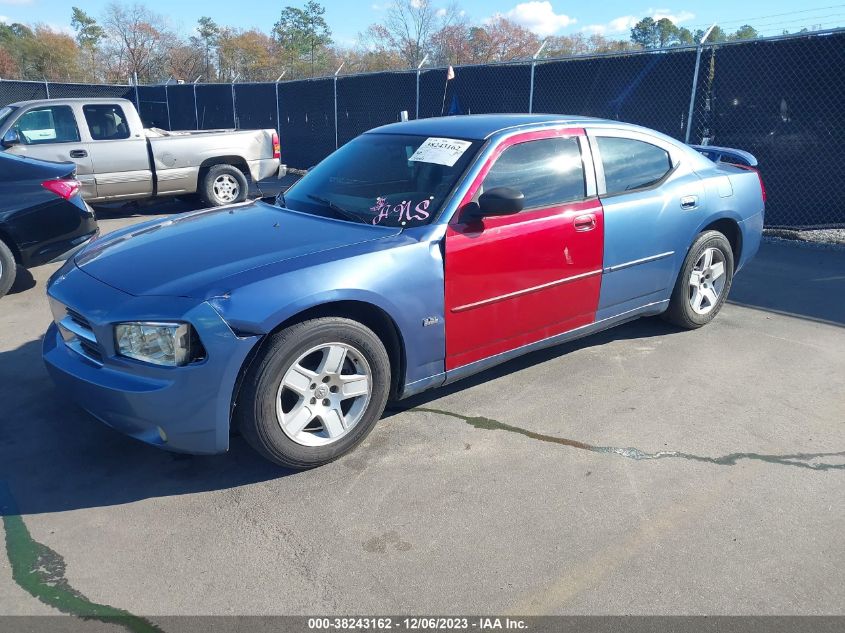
[91, 350]
[78, 318]
[79, 336]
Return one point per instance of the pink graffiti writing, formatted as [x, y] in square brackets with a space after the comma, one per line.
[404, 211]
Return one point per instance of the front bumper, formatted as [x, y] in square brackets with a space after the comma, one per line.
[185, 409]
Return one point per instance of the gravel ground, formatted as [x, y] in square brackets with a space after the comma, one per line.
[815, 236]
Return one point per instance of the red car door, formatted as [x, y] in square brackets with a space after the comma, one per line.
[517, 279]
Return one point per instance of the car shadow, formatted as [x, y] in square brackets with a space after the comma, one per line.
[640, 329]
[794, 279]
[55, 457]
[23, 281]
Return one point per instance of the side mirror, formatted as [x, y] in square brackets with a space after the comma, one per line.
[497, 201]
[11, 138]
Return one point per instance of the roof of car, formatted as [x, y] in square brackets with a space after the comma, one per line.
[21, 104]
[479, 126]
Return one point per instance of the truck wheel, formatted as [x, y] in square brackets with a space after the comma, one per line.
[8, 268]
[314, 392]
[703, 283]
[223, 184]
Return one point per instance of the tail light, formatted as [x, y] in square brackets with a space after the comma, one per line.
[762, 185]
[277, 146]
[64, 188]
[759, 177]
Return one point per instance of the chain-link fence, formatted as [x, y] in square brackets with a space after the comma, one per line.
[782, 99]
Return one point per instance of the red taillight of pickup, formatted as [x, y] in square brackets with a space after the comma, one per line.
[277, 146]
[64, 188]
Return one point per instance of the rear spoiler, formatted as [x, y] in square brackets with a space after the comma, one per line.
[726, 155]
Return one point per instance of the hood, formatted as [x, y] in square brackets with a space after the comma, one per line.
[180, 256]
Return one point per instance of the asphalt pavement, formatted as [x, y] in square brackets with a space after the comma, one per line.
[644, 470]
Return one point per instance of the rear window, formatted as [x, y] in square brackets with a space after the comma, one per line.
[106, 122]
[630, 164]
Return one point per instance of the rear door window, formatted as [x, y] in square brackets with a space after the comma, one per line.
[547, 171]
[53, 124]
[106, 121]
[631, 164]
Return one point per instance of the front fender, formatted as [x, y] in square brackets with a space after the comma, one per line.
[404, 280]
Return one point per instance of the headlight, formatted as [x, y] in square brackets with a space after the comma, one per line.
[171, 344]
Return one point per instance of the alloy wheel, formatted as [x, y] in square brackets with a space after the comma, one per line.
[707, 281]
[226, 188]
[324, 394]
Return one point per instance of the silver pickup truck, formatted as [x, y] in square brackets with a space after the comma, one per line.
[117, 159]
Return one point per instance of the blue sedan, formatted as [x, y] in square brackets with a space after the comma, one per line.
[417, 254]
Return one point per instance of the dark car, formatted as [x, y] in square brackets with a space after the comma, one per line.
[42, 215]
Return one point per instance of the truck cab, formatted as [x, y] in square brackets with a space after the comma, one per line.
[117, 159]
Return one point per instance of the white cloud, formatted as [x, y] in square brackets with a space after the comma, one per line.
[621, 24]
[441, 12]
[539, 17]
[4, 19]
[677, 18]
[624, 23]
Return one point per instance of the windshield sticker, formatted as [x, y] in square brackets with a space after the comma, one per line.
[440, 151]
[402, 212]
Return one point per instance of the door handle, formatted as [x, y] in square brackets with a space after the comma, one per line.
[78, 153]
[689, 202]
[585, 222]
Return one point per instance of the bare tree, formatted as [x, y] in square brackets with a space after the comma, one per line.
[410, 24]
[138, 41]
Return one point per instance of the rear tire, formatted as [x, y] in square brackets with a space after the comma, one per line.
[703, 283]
[314, 392]
[8, 268]
[223, 184]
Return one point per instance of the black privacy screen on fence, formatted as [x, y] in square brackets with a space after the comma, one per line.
[475, 90]
[368, 101]
[650, 89]
[306, 121]
[782, 99]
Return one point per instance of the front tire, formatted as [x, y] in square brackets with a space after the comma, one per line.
[703, 283]
[315, 392]
[223, 184]
[8, 268]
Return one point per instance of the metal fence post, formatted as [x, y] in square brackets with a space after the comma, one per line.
[278, 107]
[531, 89]
[167, 103]
[234, 102]
[47, 88]
[695, 82]
[196, 108]
[336, 145]
[419, 70]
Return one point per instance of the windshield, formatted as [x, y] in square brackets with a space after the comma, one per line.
[384, 179]
[4, 114]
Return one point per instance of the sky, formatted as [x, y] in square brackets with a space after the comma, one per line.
[612, 18]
